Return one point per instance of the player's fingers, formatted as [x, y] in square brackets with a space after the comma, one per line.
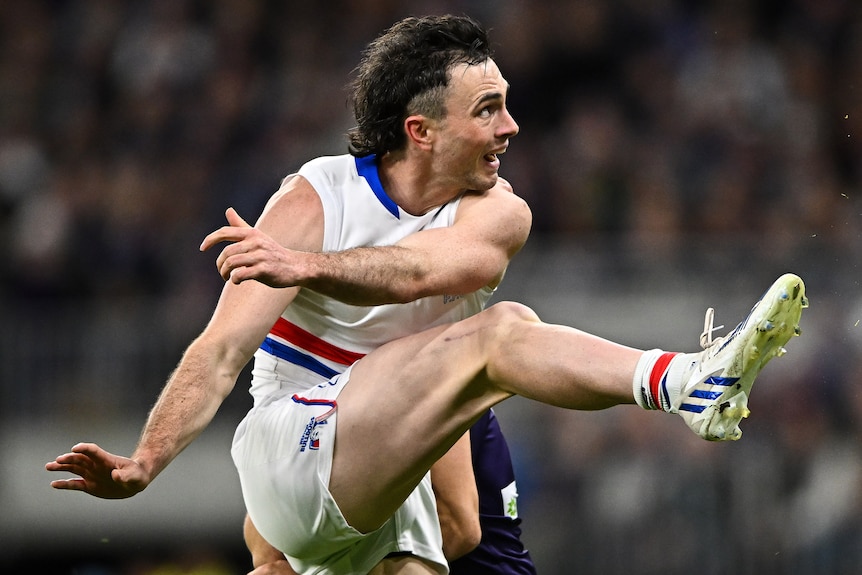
[89, 449]
[239, 275]
[66, 467]
[77, 460]
[234, 219]
[243, 271]
[229, 263]
[225, 234]
[70, 484]
[67, 457]
[90, 455]
[56, 466]
[232, 251]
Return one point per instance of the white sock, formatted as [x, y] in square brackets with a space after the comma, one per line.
[659, 378]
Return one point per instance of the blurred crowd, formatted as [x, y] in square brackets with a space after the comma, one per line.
[127, 127]
[648, 128]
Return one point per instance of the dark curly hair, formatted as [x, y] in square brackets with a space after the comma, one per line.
[406, 71]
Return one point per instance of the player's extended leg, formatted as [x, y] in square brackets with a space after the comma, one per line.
[410, 400]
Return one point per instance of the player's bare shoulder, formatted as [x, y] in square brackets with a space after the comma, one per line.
[499, 206]
[294, 215]
[503, 194]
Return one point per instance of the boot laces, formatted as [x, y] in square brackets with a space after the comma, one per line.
[706, 339]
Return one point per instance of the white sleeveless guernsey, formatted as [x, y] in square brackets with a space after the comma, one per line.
[284, 458]
[318, 336]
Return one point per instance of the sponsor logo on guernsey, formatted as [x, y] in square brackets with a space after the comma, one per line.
[451, 298]
[510, 500]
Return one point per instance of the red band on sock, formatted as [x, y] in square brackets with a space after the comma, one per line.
[656, 375]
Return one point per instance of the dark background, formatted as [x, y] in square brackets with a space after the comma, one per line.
[676, 155]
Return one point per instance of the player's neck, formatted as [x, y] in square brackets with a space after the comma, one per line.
[412, 185]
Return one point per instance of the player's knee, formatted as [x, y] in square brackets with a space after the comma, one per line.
[504, 319]
[506, 313]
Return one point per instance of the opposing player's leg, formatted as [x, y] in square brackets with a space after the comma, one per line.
[408, 402]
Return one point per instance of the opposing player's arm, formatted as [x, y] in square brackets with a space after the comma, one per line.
[457, 500]
[489, 229]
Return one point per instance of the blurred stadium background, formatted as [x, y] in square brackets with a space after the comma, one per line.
[677, 155]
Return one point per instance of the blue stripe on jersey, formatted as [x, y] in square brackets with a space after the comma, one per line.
[367, 168]
[294, 356]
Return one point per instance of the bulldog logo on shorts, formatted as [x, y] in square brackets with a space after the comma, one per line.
[314, 443]
[311, 436]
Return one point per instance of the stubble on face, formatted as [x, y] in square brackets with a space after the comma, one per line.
[474, 104]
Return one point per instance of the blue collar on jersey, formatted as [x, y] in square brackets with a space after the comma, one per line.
[367, 168]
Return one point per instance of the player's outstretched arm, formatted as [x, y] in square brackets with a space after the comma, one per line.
[204, 377]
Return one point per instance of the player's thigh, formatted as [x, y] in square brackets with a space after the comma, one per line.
[406, 403]
[403, 565]
[413, 395]
[433, 382]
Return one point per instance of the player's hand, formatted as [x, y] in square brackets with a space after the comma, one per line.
[280, 567]
[100, 473]
[253, 255]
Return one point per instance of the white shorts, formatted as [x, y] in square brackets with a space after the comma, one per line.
[283, 452]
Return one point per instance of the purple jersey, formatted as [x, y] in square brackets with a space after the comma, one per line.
[501, 550]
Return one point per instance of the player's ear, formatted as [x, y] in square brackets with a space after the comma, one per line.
[418, 129]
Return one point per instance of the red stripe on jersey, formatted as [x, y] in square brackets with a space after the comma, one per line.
[313, 344]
